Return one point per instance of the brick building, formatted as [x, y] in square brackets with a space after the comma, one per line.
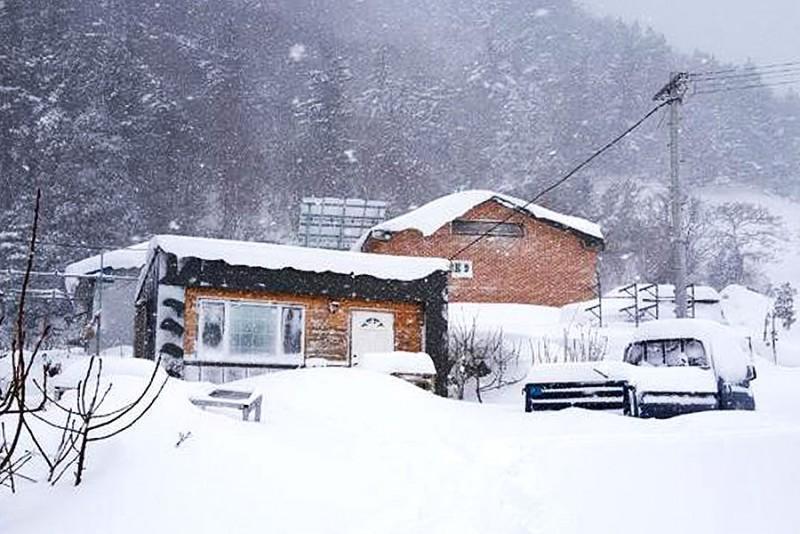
[219, 310]
[532, 255]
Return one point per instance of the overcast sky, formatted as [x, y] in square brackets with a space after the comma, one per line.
[765, 31]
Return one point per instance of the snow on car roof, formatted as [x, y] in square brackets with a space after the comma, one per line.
[273, 256]
[435, 214]
[680, 328]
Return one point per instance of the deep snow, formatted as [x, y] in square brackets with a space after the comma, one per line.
[346, 451]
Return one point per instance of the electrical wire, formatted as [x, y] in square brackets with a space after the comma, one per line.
[519, 209]
[724, 89]
[751, 67]
[107, 248]
[746, 76]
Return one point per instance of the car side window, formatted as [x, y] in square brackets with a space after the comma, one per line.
[696, 353]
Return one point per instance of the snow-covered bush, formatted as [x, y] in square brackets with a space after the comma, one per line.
[482, 360]
[581, 344]
[783, 308]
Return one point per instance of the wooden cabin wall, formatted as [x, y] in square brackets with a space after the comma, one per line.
[327, 328]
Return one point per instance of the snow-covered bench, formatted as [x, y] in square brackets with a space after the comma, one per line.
[245, 401]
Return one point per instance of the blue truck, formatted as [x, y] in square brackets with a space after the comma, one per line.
[669, 367]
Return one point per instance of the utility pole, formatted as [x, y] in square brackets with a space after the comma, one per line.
[673, 94]
[99, 311]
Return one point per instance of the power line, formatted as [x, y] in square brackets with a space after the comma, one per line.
[748, 75]
[749, 67]
[107, 248]
[557, 183]
[62, 274]
[724, 89]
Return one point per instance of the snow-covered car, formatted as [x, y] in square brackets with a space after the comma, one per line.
[670, 367]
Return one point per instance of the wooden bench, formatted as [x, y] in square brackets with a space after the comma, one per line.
[245, 401]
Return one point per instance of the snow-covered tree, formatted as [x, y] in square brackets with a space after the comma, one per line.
[784, 304]
[746, 235]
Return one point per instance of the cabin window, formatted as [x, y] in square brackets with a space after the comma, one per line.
[253, 328]
[461, 268]
[247, 331]
[292, 322]
[489, 228]
[667, 353]
[212, 325]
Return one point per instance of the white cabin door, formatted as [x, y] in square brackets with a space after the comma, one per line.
[371, 331]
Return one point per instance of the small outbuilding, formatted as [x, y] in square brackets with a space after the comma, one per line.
[528, 254]
[218, 310]
[106, 310]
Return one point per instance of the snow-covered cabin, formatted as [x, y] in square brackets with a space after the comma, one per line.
[218, 310]
[532, 255]
[114, 297]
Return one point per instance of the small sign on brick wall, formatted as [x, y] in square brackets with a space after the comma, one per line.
[461, 268]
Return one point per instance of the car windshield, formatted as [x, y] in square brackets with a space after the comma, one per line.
[667, 353]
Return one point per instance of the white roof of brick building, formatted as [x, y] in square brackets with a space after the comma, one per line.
[428, 218]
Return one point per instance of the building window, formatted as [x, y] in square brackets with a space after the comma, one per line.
[253, 328]
[250, 332]
[461, 268]
[212, 325]
[489, 228]
[292, 327]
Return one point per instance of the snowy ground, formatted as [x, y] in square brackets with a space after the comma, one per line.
[342, 450]
[349, 451]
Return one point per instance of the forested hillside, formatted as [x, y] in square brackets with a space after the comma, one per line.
[212, 117]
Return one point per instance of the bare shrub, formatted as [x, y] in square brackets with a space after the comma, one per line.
[14, 403]
[85, 423]
[486, 359]
[586, 345]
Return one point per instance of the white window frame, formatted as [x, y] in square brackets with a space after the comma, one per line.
[462, 273]
[225, 355]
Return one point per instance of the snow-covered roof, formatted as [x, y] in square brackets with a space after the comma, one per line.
[428, 218]
[132, 257]
[273, 256]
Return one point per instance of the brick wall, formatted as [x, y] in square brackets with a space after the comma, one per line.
[549, 265]
[327, 334]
